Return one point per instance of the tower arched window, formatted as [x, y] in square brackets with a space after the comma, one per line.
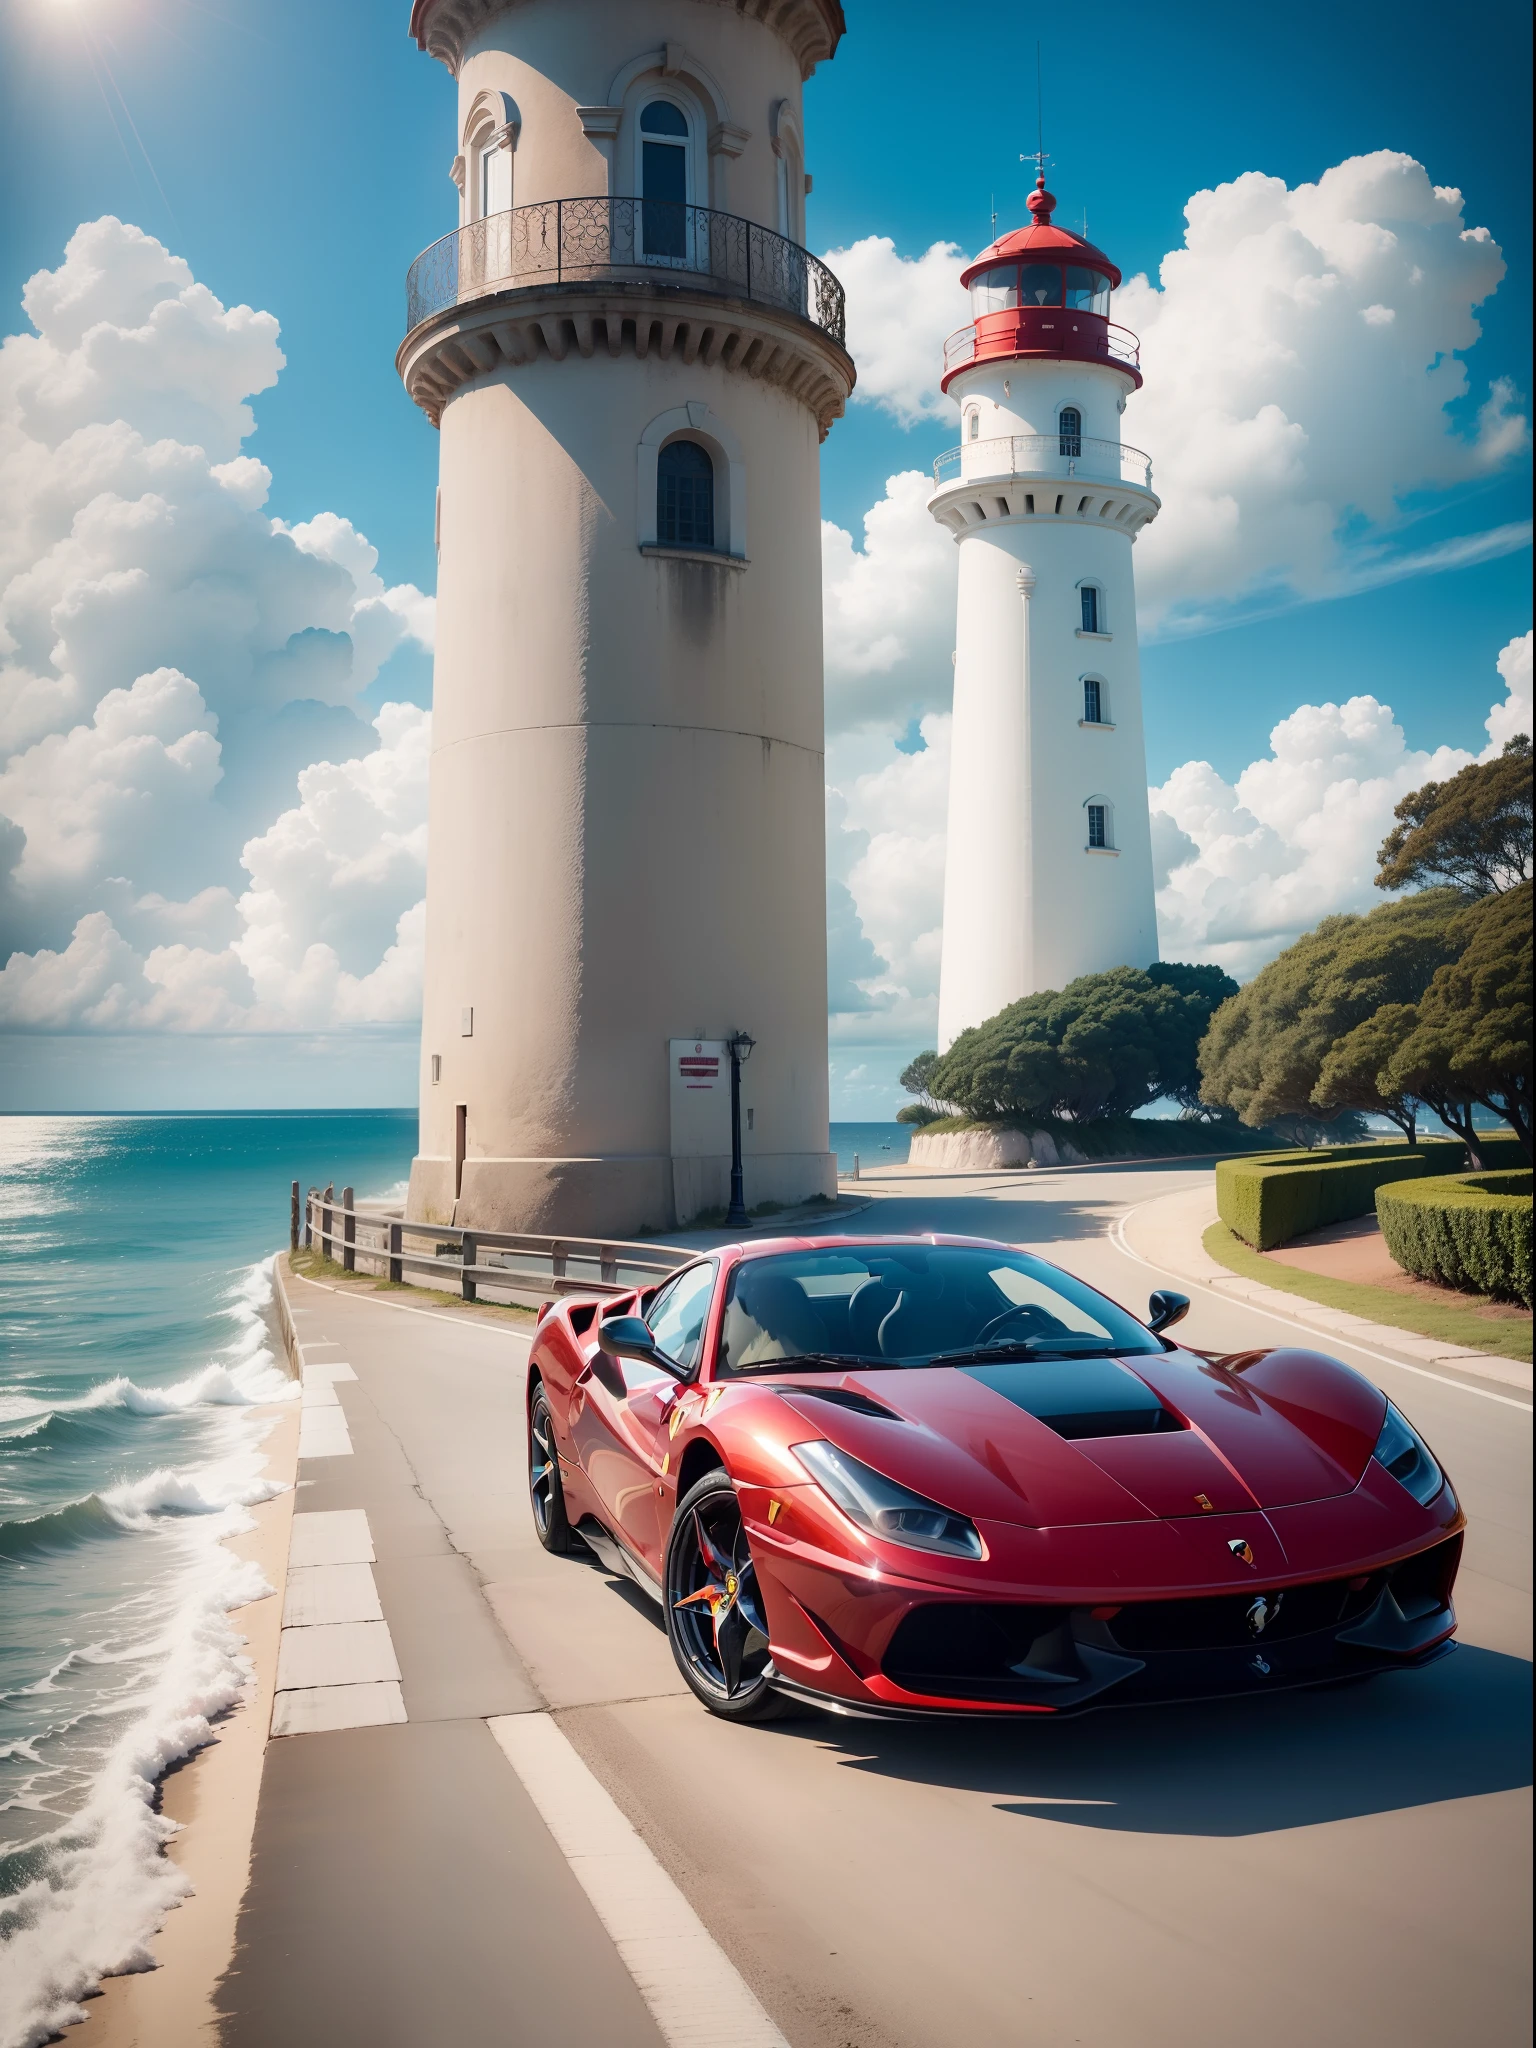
[1070, 427]
[685, 496]
[1099, 814]
[1092, 614]
[664, 144]
[973, 425]
[1093, 701]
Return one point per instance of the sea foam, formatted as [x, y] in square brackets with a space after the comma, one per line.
[103, 1884]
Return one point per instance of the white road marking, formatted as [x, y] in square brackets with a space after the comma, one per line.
[335, 1370]
[330, 1536]
[695, 1993]
[318, 1392]
[318, 1710]
[321, 1593]
[1118, 1238]
[337, 1653]
[323, 1433]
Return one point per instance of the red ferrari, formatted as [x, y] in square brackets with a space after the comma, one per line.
[936, 1475]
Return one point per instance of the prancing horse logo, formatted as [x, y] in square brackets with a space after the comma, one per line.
[1263, 1611]
[1240, 1549]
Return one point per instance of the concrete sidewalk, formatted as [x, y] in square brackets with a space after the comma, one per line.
[404, 1889]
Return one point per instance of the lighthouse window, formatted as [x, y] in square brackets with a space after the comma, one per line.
[973, 424]
[1093, 701]
[1071, 425]
[664, 181]
[685, 496]
[1040, 285]
[1090, 596]
[995, 291]
[1098, 824]
[1087, 291]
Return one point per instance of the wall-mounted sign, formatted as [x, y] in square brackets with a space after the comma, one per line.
[701, 1096]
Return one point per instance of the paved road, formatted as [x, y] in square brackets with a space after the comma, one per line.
[1335, 1868]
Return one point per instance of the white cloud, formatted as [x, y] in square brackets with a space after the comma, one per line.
[1514, 714]
[1293, 840]
[1300, 357]
[171, 659]
[888, 610]
[900, 310]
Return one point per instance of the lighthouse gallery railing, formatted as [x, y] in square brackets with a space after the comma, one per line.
[1053, 455]
[627, 240]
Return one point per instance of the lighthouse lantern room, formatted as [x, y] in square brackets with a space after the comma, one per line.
[1048, 874]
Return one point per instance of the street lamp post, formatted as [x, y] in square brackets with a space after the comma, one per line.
[739, 1046]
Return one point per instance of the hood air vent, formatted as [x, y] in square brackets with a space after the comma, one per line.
[1077, 1397]
[842, 1397]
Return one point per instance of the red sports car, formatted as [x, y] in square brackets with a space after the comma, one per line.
[903, 1475]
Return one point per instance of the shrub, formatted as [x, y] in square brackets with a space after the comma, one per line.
[1268, 1201]
[1471, 1231]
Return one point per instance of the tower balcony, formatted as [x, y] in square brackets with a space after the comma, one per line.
[648, 275]
[644, 241]
[1058, 333]
[1047, 476]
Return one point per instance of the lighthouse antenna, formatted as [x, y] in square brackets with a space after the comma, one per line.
[1039, 158]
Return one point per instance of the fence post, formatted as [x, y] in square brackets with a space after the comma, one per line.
[855, 1165]
[293, 1217]
[348, 1233]
[309, 1218]
[608, 1266]
[557, 1261]
[469, 1250]
[396, 1265]
[325, 1218]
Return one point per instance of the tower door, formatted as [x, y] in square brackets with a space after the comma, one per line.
[664, 233]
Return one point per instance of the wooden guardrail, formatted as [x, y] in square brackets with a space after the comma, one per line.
[382, 1242]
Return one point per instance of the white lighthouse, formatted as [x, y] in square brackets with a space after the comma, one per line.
[632, 360]
[1048, 873]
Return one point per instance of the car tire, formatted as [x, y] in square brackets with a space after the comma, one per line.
[546, 1495]
[708, 1554]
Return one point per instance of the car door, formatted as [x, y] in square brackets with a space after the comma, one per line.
[619, 1420]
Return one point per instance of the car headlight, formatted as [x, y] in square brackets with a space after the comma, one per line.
[882, 1507]
[1407, 1457]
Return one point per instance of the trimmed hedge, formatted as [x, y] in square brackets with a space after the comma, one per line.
[1268, 1201]
[1471, 1231]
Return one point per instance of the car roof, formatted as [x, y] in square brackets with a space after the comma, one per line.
[765, 1247]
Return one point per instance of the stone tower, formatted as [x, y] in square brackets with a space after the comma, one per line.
[632, 360]
[1049, 867]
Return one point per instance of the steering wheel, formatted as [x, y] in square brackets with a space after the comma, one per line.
[1009, 1315]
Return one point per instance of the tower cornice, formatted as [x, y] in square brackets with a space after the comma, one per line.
[505, 330]
[811, 28]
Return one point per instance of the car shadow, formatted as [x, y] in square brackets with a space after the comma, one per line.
[1231, 1767]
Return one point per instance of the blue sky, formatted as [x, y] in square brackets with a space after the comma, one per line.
[296, 155]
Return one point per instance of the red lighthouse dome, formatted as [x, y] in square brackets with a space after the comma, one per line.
[1042, 291]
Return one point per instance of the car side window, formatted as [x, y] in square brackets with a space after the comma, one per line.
[678, 1313]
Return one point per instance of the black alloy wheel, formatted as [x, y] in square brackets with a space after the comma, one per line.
[545, 1493]
[715, 1619]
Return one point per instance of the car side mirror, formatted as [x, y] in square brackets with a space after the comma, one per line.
[629, 1337]
[1166, 1308]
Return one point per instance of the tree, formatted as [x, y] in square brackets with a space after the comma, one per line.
[1211, 986]
[1473, 832]
[1106, 1045]
[1469, 1041]
[1274, 1050]
[917, 1074]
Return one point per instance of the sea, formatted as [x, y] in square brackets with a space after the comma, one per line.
[139, 1366]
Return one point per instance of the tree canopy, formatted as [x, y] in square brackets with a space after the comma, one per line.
[1473, 832]
[1106, 1045]
[1276, 1050]
[916, 1076]
[1468, 1039]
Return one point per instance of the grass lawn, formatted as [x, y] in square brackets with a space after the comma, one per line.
[1481, 1325]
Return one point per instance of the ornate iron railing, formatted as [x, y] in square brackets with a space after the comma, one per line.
[1045, 455]
[1120, 345]
[632, 240]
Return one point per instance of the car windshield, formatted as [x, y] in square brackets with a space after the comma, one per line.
[910, 1304]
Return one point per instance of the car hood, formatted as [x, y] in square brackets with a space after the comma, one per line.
[1061, 1442]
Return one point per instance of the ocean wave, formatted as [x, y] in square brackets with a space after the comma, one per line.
[254, 1380]
[88, 1897]
[137, 1504]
